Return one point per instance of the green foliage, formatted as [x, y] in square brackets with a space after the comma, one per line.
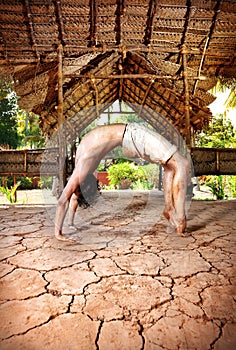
[19, 129]
[217, 186]
[28, 126]
[222, 86]
[10, 192]
[46, 182]
[6, 87]
[220, 133]
[232, 185]
[152, 174]
[25, 183]
[222, 186]
[129, 172]
[9, 136]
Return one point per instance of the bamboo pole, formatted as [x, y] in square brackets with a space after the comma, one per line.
[61, 140]
[131, 76]
[186, 98]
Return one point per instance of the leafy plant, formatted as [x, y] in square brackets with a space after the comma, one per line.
[9, 137]
[232, 186]
[118, 173]
[217, 185]
[10, 192]
[46, 182]
[25, 182]
[219, 133]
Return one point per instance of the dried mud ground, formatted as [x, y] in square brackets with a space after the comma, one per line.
[124, 284]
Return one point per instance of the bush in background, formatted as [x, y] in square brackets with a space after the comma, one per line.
[25, 182]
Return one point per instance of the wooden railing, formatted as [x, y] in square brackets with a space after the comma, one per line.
[206, 161]
[214, 161]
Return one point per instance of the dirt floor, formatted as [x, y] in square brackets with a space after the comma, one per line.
[125, 283]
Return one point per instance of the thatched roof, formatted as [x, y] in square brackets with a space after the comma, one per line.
[129, 50]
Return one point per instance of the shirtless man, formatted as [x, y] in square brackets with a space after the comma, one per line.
[137, 141]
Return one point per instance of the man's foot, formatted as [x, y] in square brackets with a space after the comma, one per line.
[72, 226]
[181, 228]
[63, 238]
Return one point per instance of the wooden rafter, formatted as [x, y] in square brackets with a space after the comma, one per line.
[96, 99]
[186, 99]
[60, 24]
[145, 96]
[61, 136]
[186, 25]
[31, 29]
[150, 21]
[119, 20]
[207, 42]
[93, 23]
[132, 76]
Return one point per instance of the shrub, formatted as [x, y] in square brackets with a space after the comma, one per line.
[46, 182]
[222, 186]
[152, 175]
[25, 182]
[129, 172]
[217, 187]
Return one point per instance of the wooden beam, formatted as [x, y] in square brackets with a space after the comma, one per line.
[186, 99]
[61, 139]
[93, 83]
[31, 29]
[186, 24]
[145, 96]
[150, 21]
[207, 42]
[200, 65]
[131, 76]
[120, 11]
[61, 33]
[60, 87]
[93, 23]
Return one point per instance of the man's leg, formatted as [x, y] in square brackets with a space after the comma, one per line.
[176, 186]
[169, 210]
[180, 190]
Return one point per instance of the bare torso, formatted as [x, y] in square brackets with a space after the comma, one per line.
[97, 143]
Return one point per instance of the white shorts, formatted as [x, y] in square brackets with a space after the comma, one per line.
[142, 142]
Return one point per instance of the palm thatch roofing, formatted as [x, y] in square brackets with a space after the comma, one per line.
[159, 54]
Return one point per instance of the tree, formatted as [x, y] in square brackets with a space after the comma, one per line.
[19, 129]
[9, 137]
[28, 126]
[219, 133]
[222, 86]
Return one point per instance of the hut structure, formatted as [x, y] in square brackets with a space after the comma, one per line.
[72, 59]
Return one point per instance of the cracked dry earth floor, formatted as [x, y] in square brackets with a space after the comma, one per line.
[126, 284]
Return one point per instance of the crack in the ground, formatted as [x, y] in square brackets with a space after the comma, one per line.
[220, 326]
[68, 311]
[98, 334]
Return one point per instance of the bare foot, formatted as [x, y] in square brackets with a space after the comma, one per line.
[72, 226]
[63, 238]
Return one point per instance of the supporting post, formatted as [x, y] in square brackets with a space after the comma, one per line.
[186, 99]
[61, 140]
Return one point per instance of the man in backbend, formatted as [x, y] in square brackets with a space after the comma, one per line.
[137, 141]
